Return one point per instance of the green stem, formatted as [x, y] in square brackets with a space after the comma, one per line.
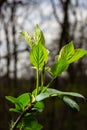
[37, 81]
[50, 83]
[42, 79]
[42, 76]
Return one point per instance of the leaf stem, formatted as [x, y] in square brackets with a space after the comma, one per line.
[42, 76]
[50, 83]
[37, 81]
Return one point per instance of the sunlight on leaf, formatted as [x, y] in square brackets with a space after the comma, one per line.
[27, 37]
[79, 53]
[58, 68]
[66, 52]
[39, 56]
[24, 99]
[38, 36]
[67, 55]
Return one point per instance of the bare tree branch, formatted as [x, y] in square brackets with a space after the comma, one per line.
[13, 53]
[54, 12]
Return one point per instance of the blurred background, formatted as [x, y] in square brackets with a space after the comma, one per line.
[61, 21]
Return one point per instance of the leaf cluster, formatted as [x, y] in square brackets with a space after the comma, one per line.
[39, 58]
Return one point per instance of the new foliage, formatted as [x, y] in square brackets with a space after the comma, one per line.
[29, 104]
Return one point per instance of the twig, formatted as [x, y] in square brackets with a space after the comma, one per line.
[21, 116]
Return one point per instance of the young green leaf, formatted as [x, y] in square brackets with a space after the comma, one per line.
[39, 56]
[71, 103]
[58, 68]
[11, 99]
[79, 53]
[18, 105]
[66, 56]
[27, 37]
[38, 36]
[66, 52]
[24, 99]
[49, 92]
[74, 94]
[15, 110]
[70, 54]
[20, 102]
[61, 62]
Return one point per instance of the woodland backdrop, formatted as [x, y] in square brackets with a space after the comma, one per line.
[61, 21]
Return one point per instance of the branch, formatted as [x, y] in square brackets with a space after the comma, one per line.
[13, 53]
[55, 13]
[21, 116]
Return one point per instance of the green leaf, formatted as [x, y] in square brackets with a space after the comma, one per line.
[70, 54]
[14, 110]
[71, 103]
[47, 93]
[31, 124]
[66, 52]
[40, 89]
[73, 94]
[58, 68]
[62, 95]
[24, 99]
[18, 105]
[20, 102]
[39, 56]
[66, 56]
[27, 37]
[79, 53]
[53, 92]
[38, 36]
[11, 99]
[39, 106]
[61, 63]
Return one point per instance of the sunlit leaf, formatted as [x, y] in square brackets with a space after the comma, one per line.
[79, 53]
[38, 36]
[61, 63]
[66, 52]
[27, 37]
[58, 68]
[39, 56]
[24, 99]
[66, 56]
